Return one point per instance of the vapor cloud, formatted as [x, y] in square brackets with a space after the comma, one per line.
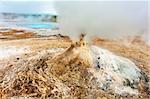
[115, 19]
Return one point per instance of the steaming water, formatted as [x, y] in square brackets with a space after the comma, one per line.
[106, 19]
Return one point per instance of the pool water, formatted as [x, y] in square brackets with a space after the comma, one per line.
[32, 25]
[38, 26]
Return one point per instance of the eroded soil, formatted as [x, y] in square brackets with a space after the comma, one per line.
[57, 67]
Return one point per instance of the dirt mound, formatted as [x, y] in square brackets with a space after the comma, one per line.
[75, 72]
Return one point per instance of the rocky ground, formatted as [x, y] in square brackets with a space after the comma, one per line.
[56, 67]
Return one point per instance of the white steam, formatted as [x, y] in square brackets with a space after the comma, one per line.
[148, 23]
[106, 19]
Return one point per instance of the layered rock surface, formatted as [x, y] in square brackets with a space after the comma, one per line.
[56, 67]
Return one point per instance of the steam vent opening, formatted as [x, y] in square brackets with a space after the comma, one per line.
[74, 50]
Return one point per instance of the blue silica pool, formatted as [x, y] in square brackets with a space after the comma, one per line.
[34, 21]
[39, 26]
[33, 25]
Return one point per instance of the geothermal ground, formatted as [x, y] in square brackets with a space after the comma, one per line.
[55, 67]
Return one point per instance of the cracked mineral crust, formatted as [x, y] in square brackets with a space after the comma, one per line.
[56, 67]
